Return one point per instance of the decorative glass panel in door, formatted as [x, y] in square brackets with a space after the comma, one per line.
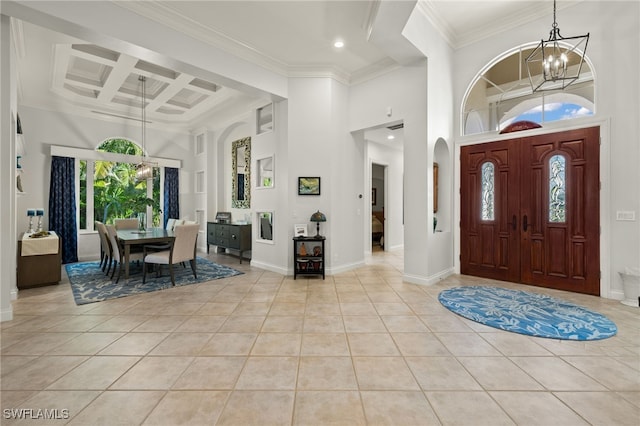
[557, 206]
[488, 191]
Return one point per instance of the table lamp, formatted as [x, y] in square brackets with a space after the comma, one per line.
[318, 217]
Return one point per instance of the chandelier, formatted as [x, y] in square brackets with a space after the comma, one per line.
[144, 170]
[556, 62]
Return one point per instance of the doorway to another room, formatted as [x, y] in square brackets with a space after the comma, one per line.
[378, 173]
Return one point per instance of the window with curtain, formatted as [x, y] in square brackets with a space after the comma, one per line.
[114, 191]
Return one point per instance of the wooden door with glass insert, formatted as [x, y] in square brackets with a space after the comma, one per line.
[560, 210]
[490, 239]
[530, 210]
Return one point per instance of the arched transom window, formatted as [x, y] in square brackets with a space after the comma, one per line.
[501, 94]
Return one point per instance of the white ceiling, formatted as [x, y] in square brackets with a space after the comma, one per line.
[290, 37]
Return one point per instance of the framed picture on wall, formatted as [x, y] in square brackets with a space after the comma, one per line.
[308, 186]
[374, 196]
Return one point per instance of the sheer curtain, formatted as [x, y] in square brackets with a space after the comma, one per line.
[62, 206]
[171, 194]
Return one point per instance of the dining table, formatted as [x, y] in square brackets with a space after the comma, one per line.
[128, 238]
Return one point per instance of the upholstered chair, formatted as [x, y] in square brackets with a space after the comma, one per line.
[182, 249]
[117, 254]
[105, 247]
[131, 223]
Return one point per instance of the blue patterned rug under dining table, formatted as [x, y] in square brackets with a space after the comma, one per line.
[90, 284]
[527, 313]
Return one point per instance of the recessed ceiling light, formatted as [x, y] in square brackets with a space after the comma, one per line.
[338, 43]
[391, 137]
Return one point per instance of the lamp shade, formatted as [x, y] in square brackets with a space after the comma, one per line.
[318, 217]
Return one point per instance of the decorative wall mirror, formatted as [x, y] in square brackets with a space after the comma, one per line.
[265, 172]
[264, 119]
[241, 170]
[265, 226]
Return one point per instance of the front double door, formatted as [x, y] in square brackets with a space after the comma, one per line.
[530, 210]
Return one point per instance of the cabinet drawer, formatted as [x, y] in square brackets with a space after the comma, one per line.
[234, 239]
[219, 241]
[221, 232]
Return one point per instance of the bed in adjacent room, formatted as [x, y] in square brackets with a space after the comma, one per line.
[377, 228]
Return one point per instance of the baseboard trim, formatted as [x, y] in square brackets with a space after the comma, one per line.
[431, 280]
[6, 314]
[271, 268]
[344, 268]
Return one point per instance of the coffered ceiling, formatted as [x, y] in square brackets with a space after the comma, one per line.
[293, 38]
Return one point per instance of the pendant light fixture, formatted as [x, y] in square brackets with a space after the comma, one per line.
[144, 170]
[557, 62]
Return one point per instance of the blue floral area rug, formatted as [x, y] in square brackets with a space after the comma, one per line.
[89, 284]
[527, 313]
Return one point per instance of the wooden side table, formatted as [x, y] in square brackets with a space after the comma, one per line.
[310, 260]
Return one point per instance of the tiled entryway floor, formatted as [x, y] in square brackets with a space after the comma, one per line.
[262, 349]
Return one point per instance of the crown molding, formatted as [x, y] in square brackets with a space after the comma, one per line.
[374, 70]
[170, 17]
[17, 35]
[426, 8]
[372, 12]
[319, 71]
[529, 12]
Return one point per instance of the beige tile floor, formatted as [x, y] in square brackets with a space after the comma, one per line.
[262, 349]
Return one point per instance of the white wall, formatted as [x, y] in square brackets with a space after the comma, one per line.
[272, 255]
[440, 110]
[8, 102]
[613, 51]
[321, 145]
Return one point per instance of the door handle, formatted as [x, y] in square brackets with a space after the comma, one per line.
[514, 222]
[525, 223]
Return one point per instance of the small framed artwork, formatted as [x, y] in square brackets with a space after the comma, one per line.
[308, 186]
[374, 196]
[300, 230]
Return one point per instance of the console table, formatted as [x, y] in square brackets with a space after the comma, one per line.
[39, 261]
[232, 236]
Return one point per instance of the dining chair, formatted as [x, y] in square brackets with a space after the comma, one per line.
[117, 254]
[182, 249]
[131, 223]
[105, 247]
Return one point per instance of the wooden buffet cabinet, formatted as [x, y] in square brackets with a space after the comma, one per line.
[230, 236]
[35, 270]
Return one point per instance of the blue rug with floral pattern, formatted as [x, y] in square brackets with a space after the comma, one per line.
[89, 284]
[527, 313]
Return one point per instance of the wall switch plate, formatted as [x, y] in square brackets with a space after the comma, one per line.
[626, 215]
